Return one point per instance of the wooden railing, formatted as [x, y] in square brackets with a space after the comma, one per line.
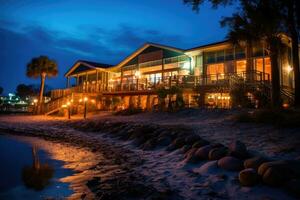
[184, 81]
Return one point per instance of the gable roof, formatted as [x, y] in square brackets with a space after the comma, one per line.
[88, 64]
[142, 48]
[208, 45]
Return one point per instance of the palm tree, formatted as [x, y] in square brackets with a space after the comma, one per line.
[41, 67]
[250, 26]
[289, 15]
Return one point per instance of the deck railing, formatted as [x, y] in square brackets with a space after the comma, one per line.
[184, 81]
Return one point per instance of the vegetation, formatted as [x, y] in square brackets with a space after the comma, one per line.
[41, 67]
[265, 19]
[24, 91]
[163, 93]
[129, 111]
[239, 97]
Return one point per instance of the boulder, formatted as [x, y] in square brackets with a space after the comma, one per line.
[217, 153]
[238, 149]
[190, 156]
[202, 152]
[273, 177]
[200, 143]
[254, 162]
[179, 142]
[230, 163]
[276, 173]
[248, 177]
[185, 148]
[191, 139]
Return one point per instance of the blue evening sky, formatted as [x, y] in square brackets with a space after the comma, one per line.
[96, 30]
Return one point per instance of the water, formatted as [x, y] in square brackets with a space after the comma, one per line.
[27, 171]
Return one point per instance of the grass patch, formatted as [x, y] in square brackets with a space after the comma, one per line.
[281, 118]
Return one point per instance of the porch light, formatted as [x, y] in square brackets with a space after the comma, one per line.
[85, 99]
[35, 101]
[289, 68]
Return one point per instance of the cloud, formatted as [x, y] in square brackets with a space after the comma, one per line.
[21, 43]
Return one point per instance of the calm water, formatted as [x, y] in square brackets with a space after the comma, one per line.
[27, 172]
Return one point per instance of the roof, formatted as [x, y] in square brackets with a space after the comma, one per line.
[142, 48]
[208, 45]
[89, 64]
[95, 64]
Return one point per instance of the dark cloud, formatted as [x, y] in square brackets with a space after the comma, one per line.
[109, 46]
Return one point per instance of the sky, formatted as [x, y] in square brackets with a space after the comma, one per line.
[104, 31]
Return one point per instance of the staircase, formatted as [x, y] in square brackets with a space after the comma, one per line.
[54, 105]
[288, 95]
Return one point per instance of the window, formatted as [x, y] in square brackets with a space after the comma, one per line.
[259, 66]
[240, 66]
[215, 71]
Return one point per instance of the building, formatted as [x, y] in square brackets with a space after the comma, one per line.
[205, 74]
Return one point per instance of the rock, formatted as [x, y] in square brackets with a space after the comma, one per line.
[248, 177]
[202, 152]
[293, 187]
[191, 139]
[273, 177]
[238, 149]
[190, 156]
[178, 142]
[230, 163]
[217, 153]
[200, 143]
[185, 148]
[254, 162]
[275, 173]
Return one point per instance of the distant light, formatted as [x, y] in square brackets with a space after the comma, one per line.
[35, 100]
[85, 99]
[64, 106]
[93, 101]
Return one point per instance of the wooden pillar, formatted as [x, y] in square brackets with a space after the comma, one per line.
[77, 80]
[97, 81]
[121, 79]
[163, 70]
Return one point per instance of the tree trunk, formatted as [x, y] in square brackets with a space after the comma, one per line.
[275, 73]
[40, 104]
[295, 50]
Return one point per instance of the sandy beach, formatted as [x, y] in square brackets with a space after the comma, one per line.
[124, 167]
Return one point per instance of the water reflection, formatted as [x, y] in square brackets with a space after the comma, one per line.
[38, 175]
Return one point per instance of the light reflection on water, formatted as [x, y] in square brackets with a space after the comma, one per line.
[36, 169]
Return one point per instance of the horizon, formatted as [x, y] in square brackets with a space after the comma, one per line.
[96, 31]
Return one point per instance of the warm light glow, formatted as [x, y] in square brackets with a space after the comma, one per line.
[64, 106]
[137, 74]
[186, 65]
[35, 100]
[93, 101]
[289, 69]
[69, 103]
[85, 99]
[285, 105]
[80, 100]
